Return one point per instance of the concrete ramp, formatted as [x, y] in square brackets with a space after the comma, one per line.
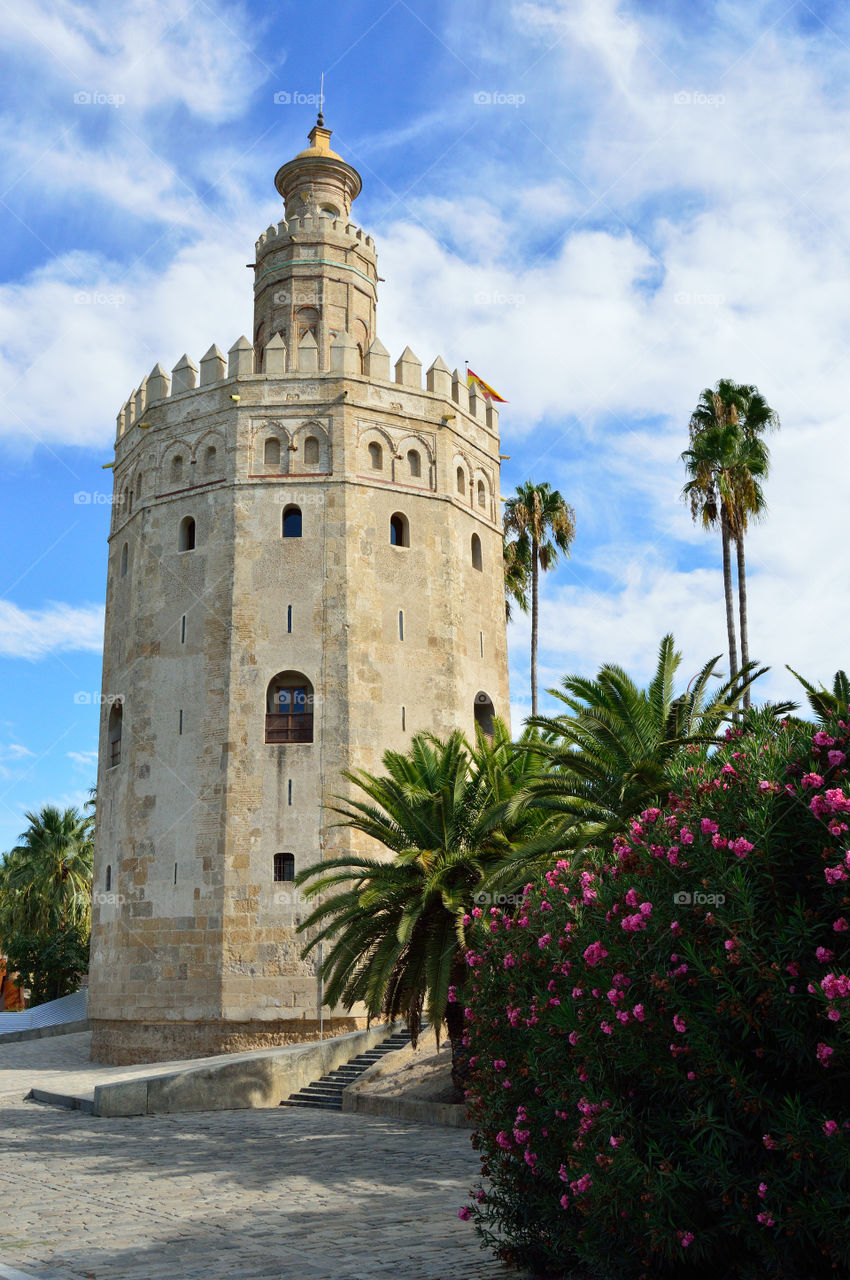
[66, 1014]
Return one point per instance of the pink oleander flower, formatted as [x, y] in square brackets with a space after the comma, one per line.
[464, 1213]
[824, 1053]
[833, 875]
[632, 898]
[686, 836]
[633, 924]
[823, 956]
[573, 1038]
[679, 1023]
[793, 968]
[741, 847]
[622, 1016]
[638, 1012]
[499, 1064]
[822, 739]
[707, 827]
[595, 953]
[509, 961]
[543, 940]
[718, 841]
[840, 925]
[765, 1220]
[685, 1238]
[769, 1142]
[830, 1127]
[762, 1190]
[692, 1075]
[835, 986]
[581, 1185]
[811, 780]
[615, 1142]
[835, 758]
[606, 1027]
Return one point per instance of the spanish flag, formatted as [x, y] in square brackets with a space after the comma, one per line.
[473, 380]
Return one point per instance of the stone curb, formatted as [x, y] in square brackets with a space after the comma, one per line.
[39, 1033]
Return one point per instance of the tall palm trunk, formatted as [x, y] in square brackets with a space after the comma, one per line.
[742, 609]
[534, 576]
[727, 588]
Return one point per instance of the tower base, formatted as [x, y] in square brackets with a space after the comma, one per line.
[123, 1042]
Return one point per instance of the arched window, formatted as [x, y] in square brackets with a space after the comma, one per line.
[482, 494]
[284, 867]
[291, 522]
[476, 552]
[113, 735]
[209, 459]
[289, 708]
[108, 877]
[177, 468]
[376, 456]
[399, 530]
[307, 319]
[461, 482]
[484, 713]
[414, 462]
[271, 452]
[125, 558]
[138, 486]
[186, 537]
[311, 451]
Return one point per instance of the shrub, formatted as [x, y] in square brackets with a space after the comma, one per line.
[660, 1085]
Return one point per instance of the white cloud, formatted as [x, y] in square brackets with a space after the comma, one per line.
[14, 751]
[85, 759]
[56, 628]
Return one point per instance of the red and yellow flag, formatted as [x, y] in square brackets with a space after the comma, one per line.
[473, 380]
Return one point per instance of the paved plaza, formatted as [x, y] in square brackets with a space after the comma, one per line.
[228, 1195]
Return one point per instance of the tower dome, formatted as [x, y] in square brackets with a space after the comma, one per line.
[318, 181]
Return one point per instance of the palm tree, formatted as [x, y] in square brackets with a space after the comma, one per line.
[542, 524]
[827, 704]
[517, 570]
[726, 463]
[396, 927]
[45, 881]
[607, 756]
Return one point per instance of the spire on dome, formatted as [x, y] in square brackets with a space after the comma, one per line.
[318, 179]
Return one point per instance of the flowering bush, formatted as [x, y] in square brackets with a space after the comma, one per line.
[659, 1040]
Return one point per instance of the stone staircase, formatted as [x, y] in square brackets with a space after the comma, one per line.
[326, 1093]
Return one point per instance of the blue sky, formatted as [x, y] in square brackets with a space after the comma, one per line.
[603, 206]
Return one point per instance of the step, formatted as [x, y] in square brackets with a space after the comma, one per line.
[320, 1106]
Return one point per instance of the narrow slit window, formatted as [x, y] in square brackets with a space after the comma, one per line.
[289, 618]
[403, 718]
[175, 873]
[108, 878]
[183, 629]
[292, 522]
[186, 536]
[289, 792]
[180, 721]
[125, 559]
[481, 642]
[401, 624]
[477, 561]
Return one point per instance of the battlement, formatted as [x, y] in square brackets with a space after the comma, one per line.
[188, 378]
[310, 226]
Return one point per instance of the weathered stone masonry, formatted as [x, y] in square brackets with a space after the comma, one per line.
[397, 485]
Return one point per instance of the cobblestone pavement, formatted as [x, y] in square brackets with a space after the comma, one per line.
[228, 1195]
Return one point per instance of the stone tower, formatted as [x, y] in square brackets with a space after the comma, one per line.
[305, 568]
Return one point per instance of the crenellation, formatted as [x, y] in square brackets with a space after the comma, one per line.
[184, 375]
[158, 385]
[213, 366]
[460, 394]
[240, 358]
[438, 379]
[408, 369]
